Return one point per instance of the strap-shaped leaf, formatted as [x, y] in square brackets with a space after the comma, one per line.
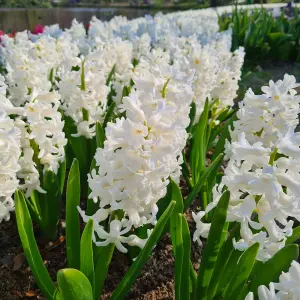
[86, 253]
[198, 151]
[212, 169]
[192, 115]
[109, 114]
[242, 272]
[271, 270]
[224, 135]
[62, 175]
[228, 272]
[135, 269]
[179, 254]
[50, 204]
[102, 258]
[174, 231]
[79, 146]
[186, 263]
[223, 258]
[212, 246]
[74, 285]
[294, 237]
[30, 247]
[72, 217]
[100, 135]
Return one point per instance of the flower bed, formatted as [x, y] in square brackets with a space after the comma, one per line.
[122, 128]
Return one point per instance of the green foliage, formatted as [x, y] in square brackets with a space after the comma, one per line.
[263, 36]
[25, 3]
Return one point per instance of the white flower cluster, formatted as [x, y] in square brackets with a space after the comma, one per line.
[9, 155]
[263, 173]
[142, 150]
[286, 289]
[31, 68]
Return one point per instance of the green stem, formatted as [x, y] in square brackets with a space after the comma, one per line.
[272, 157]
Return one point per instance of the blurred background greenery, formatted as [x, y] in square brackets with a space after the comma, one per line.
[131, 3]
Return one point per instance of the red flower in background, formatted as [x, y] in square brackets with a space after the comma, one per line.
[38, 29]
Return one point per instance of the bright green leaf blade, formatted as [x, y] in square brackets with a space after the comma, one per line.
[100, 135]
[192, 115]
[186, 264]
[179, 253]
[134, 271]
[198, 151]
[72, 217]
[62, 175]
[79, 146]
[86, 253]
[212, 169]
[102, 258]
[242, 272]
[294, 237]
[109, 114]
[228, 272]
[223, 258]
[30, 247]
[176, 196]
[212, 246]
[50, 204]
[110, 75]
[271, 270]
[74, 285]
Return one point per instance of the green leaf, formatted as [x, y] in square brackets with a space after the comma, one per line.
[74, 285]
[192, 115]
[102, 259]
[223, 258]
[177, 196]
[72, 217]
[223, 136]
[50, 204]
[30, 247]
[212, 246]
[212, 169]
[179, 254]
[186, 264]
[294, 237]
[109, 114]
[228, 271]
[198, 151]
[110, 75]
[86, 253]
[175, 221]
[271, 270]
[79, 146]
[135, 269]
[242, 272]
[100, 135]
[62, 175]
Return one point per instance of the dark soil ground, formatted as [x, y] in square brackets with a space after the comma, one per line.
[156, 279]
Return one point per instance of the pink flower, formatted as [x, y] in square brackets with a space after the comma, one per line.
[1, 33]
[38, 29]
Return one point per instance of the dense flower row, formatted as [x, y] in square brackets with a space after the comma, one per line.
[56, 73]
[262, 174]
